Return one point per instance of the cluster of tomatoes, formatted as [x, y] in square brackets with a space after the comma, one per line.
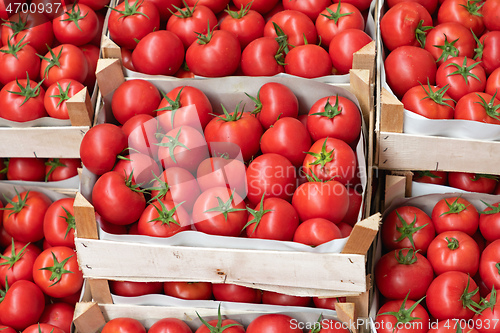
[39, 169]
[450, 259]
[234, 174]
[39, 273]
[443, 60]
[252, 38]
[49, 53]
[274, 322]
[471, 182]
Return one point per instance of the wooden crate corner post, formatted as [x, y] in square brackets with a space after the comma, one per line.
[109, 49]
[80, 109]
[347, 313]
[362, 235]
[88, 318]
[391, 113]
[365, 58]
[360, 86]
[109, 75]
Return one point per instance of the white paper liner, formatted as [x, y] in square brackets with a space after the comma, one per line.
[70, 183]
[418, 189]
[9, 191]
[40, 122]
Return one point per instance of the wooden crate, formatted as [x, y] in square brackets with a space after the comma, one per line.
[53, 141]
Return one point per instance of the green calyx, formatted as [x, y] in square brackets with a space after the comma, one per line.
[204, 39]
[225, 207]
[478, 176]
[407, 230]
[130, 183]
[453, 243]
[174, 105]
[70, 221]
[14, 257]
[235, 116]
[130, 9]
[258, 103]
[54, 164]
[27, 92]
[162, 188]
[489, 107]
[16, 27]
[403, 316]
[420, 174]
[323, 157]
[455, 207]
[3, 292]
[421, 32]
[57, 269]
[218, 328]
[317, 325]
[183, 14]
[75, 15]
[166, 216]
[478, 51]
[467, 301]
[240, 13]
[5, 167]
[13, 49]
[282, 39]
[53, 61]
[257, 215]
[172, 143]
[331, 111]
[18, 205]
[464, 70]
[335, 16]
[409, 259]
[63, 94]
[448, 50]
[493, 209]
[438, 97]
[473, 8]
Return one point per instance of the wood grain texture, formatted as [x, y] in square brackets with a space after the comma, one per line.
[109, 75]
[391, 113]
[86, 225]
[80, 109]
[365, 59]
[109, 49]
[88, 318]
[362, 235]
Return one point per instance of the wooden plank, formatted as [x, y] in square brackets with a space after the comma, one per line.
[365, 59]
[109, 75]
[391, 113]
[88, 318]
[408, 180]
[109, 49]
[80, 109]
[347, 314]
[415, 152]
[395, 187]
[362, 235]
[86, 225]
[362, 302]
[165, 263]
[361, 88]
[43, 142]
[100, 291]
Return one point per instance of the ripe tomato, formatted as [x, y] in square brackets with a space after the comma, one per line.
[215, 54]
[17, 262]
[465, 12]
[493, 83]
[219, 211]
[170, 325]
[489, 222]
[328, 200]
[131, 21]
[488, 265]
[59, 223]
[490, 13]
[225, 292]
[448, 40]
[100, 146]
[487, 321]
[401, 270]
[330, 159]
[222, 172]
[408, 66]
[454, 251]
[271, 175]
[262, 57]
[189, 290]
[273, 322]
[43, 328]
[312, 8]
[134, 97]
[473, 182]
[431, 177]
[432, 103]
[78, 25]
[132, 289]
[166, 8]
[18, 61]
[56, 96]
[91, 53]
[450, 326]
[26, 168]
[34, 28]
[189, 21]
[336, 18]
[123, 325]
[163, 219]
[166, 43]
[463, 75]
[407, 227]
[58, 314]
[23, 215]
[57, 273]
[327, 302]
[140, 131]
[478, 106]
[142, 167]
[261, 6]
[430, 5]
[246, 24]
[226, 325]
[405, 24]
[344, 45]
[57, 169]
[487, 51]
[239, 128]
[117, 199]
[22, 305]
[270, 297]
[184, 106]
[22, 100]
[452, 295]
[309, 61]
[402, 316]
[127, 59]
[297, 26]
[455, 214]
[65, 61]
[316, 231]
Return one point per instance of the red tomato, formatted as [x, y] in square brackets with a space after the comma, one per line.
[166, 43]
[270, 297]
[488, 265]
[17, 263]
[355, 201]
[452, 295]
[465, 12]
[489, 222]
[328, 200]
[330, 326]
[405, 24]
[163, 219]
[78, 25]
[271, 175]
[309, 61]
[56, 96]
[222, 172]
[189, 21]
[454, 251]
[316, 231]
[493, 83]
[430, 5]
[360, 4]
[402, 316]
[409, 66]
[117, 199]
[246, 24]
[226, 325]
[134, 97]
[289, 138]
[23, 216]
[473, 182]
[487, 321]
[140, 131]
[170, 325]
[26, 168]
[455, 214]
[312, 8]
[336, 18]
[43, 328]
[272, 218]
[22, 305]
[100, 146]
[261, 6]
[448, 40]
[463, 75]
[487, 51]
[59, 315]
[216, 6]
[143, 168]
[491, 12]
[123, 325]
[330, 159]
[59, 223]
[215, 54]
[340, 119]
[401, 270]
[131, 21]
[57, 273]
[185, 106]
[407, 227]
[65, 61]
[189, 290]
[219, 211]
[133, 289]
[262, 57]
[478, 106]
[35, 26]
[22, 100]
[225, 292]
[297, 26]
[344, 45]
[432, 103]
[57, 169]
[274, 322]
[431, 177]
[18, 61]
[327, 302]
[166, 8]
